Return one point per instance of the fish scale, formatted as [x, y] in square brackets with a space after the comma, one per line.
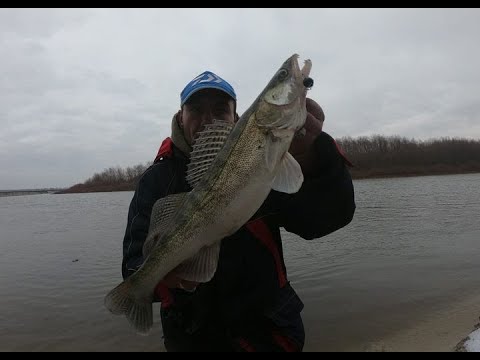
[232, 171]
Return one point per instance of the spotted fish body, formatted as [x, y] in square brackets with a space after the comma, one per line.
[232, 170]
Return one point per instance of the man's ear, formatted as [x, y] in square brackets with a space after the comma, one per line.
[179, 118]
[236, 117]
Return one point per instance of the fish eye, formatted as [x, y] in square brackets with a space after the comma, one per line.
[282, 74]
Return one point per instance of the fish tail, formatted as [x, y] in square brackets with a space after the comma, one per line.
[122, 301]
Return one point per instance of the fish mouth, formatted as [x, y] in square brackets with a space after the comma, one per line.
[307, 80]
[304, 72]
[302, 75]
[306, 68]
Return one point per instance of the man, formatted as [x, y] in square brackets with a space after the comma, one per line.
[249, 305]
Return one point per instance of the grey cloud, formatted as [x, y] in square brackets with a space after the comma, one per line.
[37, 23]
[82, 90]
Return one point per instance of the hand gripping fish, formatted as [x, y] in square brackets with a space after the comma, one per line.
[232, 169]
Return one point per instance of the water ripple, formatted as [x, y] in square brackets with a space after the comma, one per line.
[412, 243]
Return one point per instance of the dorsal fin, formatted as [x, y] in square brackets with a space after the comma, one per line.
[206, 146]
[162, 214]
[202, 266]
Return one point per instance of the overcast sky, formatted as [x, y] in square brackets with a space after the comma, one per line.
[82, 90]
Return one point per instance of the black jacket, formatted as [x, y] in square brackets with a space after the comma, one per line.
[249, 304]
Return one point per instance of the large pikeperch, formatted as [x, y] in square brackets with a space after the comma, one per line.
[232, 170]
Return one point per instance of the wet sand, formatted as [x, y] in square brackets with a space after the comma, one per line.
[442, 331]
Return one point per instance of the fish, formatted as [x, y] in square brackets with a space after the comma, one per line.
[232, 169]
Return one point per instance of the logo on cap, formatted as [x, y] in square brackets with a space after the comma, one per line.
[206, 80]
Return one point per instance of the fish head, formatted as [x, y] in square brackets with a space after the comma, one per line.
[282, 104]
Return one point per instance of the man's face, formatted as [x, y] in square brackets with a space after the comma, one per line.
[202, 107]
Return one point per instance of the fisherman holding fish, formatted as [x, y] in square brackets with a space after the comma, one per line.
[203, 233]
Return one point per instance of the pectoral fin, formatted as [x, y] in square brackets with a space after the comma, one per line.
[289, 177]
[202, 266]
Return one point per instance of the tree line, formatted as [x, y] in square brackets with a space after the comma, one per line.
[372, 156]
[383, 156]
[111, 179]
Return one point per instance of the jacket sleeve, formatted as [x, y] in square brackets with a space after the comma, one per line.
[151, 186]
[325, 202]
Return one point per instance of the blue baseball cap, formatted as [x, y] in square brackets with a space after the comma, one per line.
[206, 80]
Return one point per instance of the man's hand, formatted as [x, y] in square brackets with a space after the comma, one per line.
[302, 145]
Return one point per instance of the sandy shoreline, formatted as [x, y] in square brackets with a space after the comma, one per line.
[442, 331]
